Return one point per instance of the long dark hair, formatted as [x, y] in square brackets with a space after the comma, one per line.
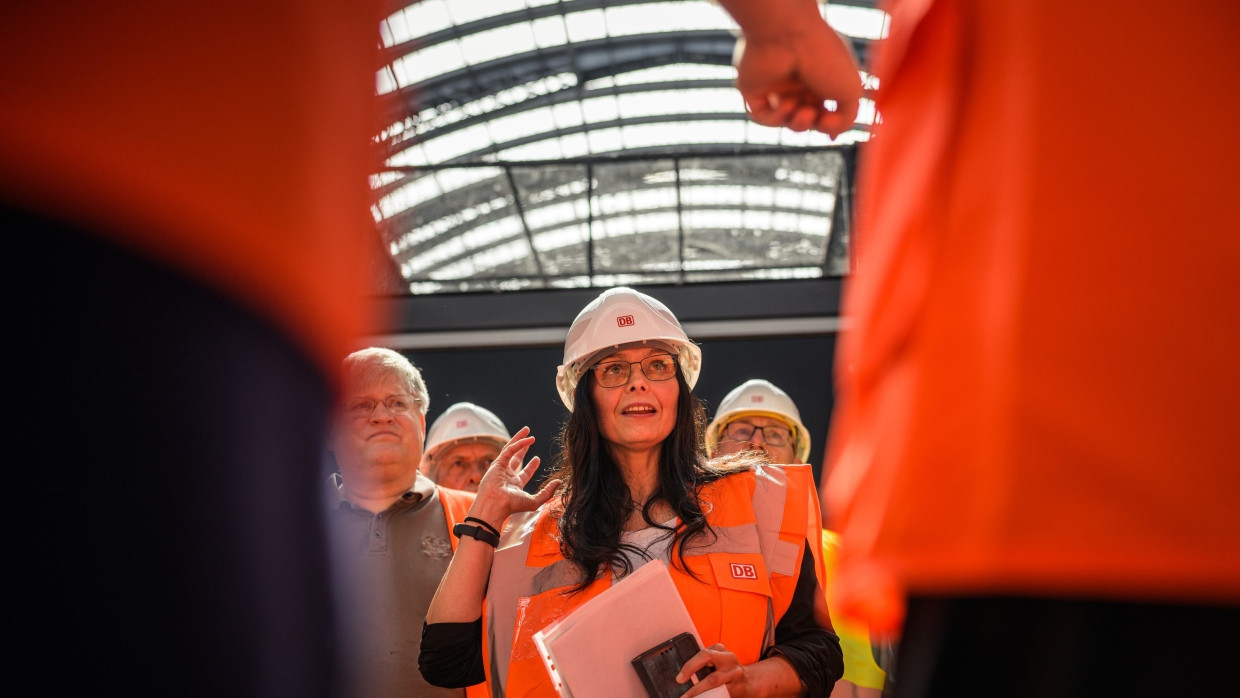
[596, 500]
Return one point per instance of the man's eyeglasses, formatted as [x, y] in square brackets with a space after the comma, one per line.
[771, 435]
[395, 404]
[656, 367]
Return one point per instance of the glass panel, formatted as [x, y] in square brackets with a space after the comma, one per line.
[622, 214]
[679, 71]
[419, 19]
[695, 101]
[766, 224]
[713, 218]
[465, 11]
[629, 20]
[861, 22]
[586, 26]
[554, 198]
[549, 31]
[434, 60]
[496, 43]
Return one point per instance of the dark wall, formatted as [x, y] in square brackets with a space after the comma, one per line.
[518, 384]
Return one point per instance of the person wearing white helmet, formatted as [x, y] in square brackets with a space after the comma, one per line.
[633, 484]
[758, 415]
[461, 444]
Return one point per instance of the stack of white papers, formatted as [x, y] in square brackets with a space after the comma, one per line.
[589, 651]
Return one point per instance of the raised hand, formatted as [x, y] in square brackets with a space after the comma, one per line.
[501, 491]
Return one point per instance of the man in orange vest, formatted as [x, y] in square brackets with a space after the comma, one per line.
[390, 525]
[759, 415]
[1034, 441]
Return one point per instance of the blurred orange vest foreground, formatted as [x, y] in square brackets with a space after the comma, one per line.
[1040, 386]
[230, 141]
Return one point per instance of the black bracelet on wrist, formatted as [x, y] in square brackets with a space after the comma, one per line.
[488, 526]
[478, 532]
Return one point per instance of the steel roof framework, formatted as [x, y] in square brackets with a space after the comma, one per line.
[612, 200]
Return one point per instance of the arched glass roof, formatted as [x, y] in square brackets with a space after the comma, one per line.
[576, 143]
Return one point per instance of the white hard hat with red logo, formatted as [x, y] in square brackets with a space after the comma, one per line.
[759, 398]
[463, 421]
[622, 316]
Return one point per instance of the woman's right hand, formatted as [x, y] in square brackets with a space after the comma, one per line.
[501, 491]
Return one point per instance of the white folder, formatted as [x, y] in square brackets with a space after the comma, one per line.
[589, 651]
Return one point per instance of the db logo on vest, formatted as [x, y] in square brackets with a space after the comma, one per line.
[624, 321]
[740, 571]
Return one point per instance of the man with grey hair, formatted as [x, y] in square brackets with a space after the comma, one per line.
[390, 526]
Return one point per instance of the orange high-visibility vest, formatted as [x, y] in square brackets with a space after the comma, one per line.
[763, 518]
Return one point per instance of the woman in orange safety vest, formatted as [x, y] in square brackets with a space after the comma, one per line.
[634, 485]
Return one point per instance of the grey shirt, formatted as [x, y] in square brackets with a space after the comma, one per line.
[387, 567]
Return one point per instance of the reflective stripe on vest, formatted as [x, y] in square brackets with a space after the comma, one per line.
[455, 508]
[760, 521]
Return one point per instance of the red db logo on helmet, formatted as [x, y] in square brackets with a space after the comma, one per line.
[624, 321]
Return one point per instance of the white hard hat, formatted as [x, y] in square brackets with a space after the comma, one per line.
[461, 422]
[622, 316]
[759, 398]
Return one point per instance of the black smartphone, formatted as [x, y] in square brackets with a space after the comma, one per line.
[659, 665]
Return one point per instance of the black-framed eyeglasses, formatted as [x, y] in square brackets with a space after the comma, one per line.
[656, 367]
[772, 435]
[395, 404]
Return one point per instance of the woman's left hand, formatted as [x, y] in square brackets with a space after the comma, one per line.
[728, 672]
[773, 676]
